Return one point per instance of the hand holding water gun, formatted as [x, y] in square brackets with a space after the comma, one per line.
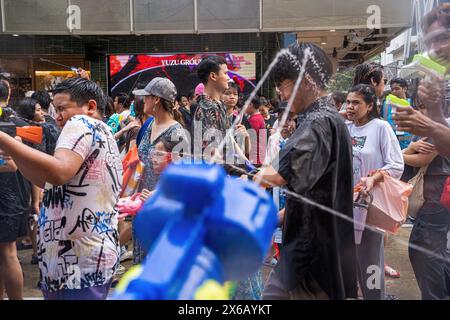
[31, 134]
[424, 67]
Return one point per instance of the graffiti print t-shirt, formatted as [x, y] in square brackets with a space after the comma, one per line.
[77, 237]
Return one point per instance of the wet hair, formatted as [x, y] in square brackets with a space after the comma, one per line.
[4, 90]
[366, 72]
[209, 64]
[367, 92]
[43, 97]
[318, 67]
[26, 108]
[81, 91]
[440, 14]
[400, 81]
[124, 99]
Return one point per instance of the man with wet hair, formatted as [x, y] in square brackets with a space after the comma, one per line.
[317, 254]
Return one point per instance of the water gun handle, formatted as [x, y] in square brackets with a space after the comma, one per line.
[28, 133]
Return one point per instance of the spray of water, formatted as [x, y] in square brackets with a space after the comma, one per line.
[300, 67]
[230, 132]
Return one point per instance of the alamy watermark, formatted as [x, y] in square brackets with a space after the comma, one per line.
[73, 21]
[374, 20]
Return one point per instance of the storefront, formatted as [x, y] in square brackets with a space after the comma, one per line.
[40, 72]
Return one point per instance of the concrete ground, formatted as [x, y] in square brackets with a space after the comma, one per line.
[396, 256]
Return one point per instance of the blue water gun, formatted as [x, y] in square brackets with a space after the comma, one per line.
[200, 229]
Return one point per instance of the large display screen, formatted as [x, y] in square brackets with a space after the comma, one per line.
[127, 71]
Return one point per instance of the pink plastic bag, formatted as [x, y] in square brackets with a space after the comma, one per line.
[389, 208]
[129, 206]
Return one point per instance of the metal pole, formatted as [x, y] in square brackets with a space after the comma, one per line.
[195, 17]
[2, 8]
[261, 15]
[131, 16]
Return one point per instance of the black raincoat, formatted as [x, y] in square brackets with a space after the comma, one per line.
[317, 163]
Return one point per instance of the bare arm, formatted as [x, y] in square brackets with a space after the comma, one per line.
[39, 167]
[441, 138]
[124, 130]
[416, 123]
[419, 160]
[269, 178]
[35, 198]
[8, 166]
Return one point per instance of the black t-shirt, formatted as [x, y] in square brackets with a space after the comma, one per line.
[317, 163]
[15, 190]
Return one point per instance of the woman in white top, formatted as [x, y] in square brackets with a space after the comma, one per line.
[375, 148]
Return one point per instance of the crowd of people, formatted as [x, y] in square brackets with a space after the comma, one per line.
[62, 193]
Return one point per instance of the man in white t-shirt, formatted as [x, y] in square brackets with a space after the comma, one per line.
[78, 247]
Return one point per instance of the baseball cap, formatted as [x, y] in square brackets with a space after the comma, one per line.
[160, 87]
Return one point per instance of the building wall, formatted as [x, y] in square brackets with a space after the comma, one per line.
[95, 48]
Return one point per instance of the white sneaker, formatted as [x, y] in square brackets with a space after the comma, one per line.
[126, 255]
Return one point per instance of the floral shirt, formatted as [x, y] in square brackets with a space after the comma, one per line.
[209, 128]
[77, 236]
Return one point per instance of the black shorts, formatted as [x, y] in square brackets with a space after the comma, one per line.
[13, 227]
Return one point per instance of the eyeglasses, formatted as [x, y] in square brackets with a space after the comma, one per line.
[281, 89]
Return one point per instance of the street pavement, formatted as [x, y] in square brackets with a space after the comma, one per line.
[396, 256]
